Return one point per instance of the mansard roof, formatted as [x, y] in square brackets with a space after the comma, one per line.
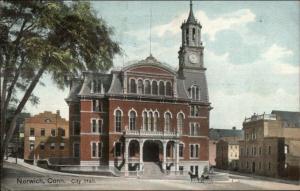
[292, 118]
[198, 78]
[75, 87]
[95, 76]
[113, 81]
[217, 134]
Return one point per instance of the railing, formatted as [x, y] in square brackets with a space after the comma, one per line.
[142, 132]
[260, 117]
[133, 159]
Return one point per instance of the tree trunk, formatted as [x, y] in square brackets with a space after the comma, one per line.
[20, 107]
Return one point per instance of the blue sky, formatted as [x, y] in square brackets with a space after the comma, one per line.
[251, 52]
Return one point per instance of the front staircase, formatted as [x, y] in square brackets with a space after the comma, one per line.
[152, 170]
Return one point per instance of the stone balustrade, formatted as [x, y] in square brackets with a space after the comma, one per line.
[145, 133]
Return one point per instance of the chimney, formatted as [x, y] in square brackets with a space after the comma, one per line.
[58, 112]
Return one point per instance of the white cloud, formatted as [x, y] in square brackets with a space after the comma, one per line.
[211, 26]
[261, 86]
[285, 69]
[276, 52]
[233, 111]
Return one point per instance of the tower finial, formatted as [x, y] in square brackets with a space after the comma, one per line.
[150, 38]
[191, 5]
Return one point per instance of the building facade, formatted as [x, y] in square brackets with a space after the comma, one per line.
[46, 135]
[227, 150]
[16, 144]
[145, 113]
[272, 145]
[227, 135]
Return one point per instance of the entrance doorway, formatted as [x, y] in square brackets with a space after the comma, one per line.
[253, 167]
[151, 151]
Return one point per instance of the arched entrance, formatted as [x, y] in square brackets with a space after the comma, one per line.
[151, 150]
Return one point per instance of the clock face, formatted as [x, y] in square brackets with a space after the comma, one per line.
[193, 58]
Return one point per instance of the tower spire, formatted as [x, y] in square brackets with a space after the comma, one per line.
[191, 18]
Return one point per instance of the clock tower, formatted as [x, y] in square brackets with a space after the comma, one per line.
[191, 50]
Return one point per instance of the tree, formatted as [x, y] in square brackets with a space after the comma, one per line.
[37, 37]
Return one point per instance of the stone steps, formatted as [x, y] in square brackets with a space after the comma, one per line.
[152, 169]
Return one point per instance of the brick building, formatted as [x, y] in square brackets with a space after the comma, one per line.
[227, 135]
[145, 115]
[272, 145]
[46, 135]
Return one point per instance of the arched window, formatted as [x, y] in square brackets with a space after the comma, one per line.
[147, 87]
[161, 88]
[168, 89]
[118, 120]
[132, 86]
[155, 119]
[132, 120]
[150, 121]
[167, 121]
[187, 36]
[194, 33]
[140, 87]
[145, 119]
[154, 88]
[180, 123]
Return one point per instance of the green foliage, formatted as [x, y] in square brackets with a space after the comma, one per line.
[62, 39]
[69, 36]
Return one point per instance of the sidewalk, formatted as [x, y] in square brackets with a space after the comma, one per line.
[48, 172]
[241, 175]
[52, 172]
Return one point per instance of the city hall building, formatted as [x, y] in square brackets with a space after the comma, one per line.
[144, 117]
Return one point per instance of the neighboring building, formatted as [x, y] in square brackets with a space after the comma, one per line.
[46, 135]
[145, 114]
[272, 145]
[16, 144]
[216, 135]
[227, 153]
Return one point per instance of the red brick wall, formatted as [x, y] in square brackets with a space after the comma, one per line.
[110, 136]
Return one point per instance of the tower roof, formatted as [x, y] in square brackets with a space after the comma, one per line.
[191, 18]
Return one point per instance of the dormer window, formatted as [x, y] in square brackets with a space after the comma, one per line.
[195, 92]
[96, 86]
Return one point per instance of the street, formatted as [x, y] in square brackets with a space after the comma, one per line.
[17, 177]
